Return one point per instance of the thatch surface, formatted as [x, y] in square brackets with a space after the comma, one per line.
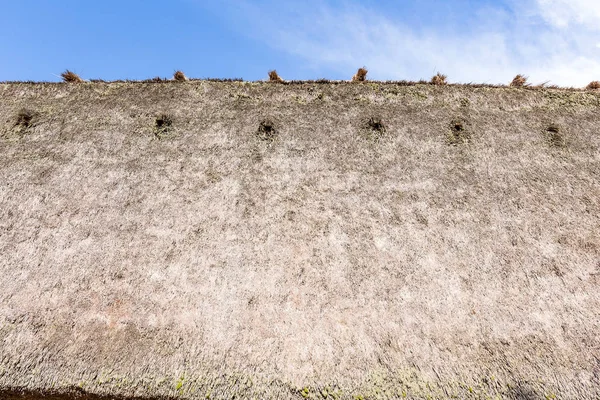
[325, 260]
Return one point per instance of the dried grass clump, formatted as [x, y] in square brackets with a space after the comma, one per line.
[519, 81]
[594, 85]
[439, 79]
[361, 75]
[71, 77]
[179, 76]
[274, 76]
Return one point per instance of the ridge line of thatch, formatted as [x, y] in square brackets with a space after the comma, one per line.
[306, 82]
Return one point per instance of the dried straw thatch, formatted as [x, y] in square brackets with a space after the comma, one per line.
[594, 85]
[439, 79]
[519, 81]
[70, 77]
[361, 75]
[179, 76]
[274, 76]
[167, 241]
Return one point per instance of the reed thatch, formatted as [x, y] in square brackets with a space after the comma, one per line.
[404, 241]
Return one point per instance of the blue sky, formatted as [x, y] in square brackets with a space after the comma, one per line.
[471, 41]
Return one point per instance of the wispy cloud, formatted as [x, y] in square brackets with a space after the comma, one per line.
[548, 40]
[566, 13]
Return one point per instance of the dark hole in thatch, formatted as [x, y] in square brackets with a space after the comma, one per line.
[163, 124]
[522, 391]
[459, 133]
[458, 127]
[376, 124]
[267, 130]
[25, 118]
[163, 121]
[555, 136]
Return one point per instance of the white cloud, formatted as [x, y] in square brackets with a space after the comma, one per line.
[562, 13]
[488, 45]
[392, 51]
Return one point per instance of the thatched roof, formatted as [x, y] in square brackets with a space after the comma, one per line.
[162, 240]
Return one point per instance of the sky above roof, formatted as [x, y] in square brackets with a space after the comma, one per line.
[483, 41]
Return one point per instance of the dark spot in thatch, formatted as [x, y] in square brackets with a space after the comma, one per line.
[374, 128]
[522, 391]
[163, 125]
[555, 136]
[163, 121]
[25, 118]
[266, 130]
[376, 125]
[459, 132]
